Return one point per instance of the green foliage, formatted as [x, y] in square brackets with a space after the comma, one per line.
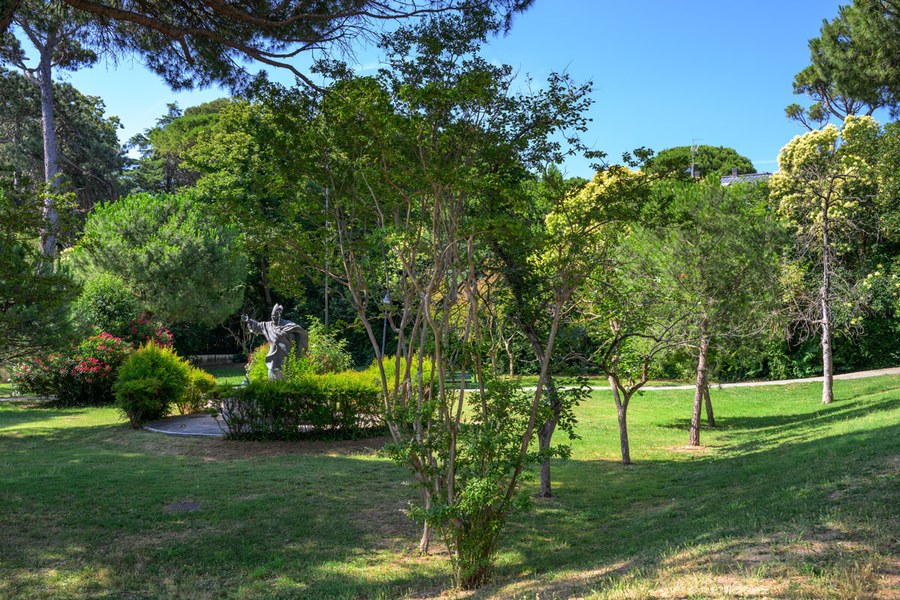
[333, 406]
[172, 255]
[150, 381]
[675, 162]
[326, 352]
[854, 67]
[82, 377]
[165, 148]
[34, 296]
[105, 304]
[199, 385]
[489, 453]
[90, 155]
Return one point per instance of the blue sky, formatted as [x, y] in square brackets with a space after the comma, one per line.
[664, 72]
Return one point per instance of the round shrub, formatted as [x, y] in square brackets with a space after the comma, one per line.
[200, 383]
[149, 382]
[105, 305]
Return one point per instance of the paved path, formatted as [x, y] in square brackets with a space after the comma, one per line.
[197, 424]
[856, 375]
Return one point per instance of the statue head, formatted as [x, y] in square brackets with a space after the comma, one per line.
[276, 312]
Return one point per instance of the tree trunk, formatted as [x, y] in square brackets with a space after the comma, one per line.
[545, 434]
[827, 362]
[701, 382]
[621, 411]
[710, 419]
[51, 163]
[425, 541]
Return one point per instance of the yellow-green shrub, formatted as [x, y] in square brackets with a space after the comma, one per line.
[149, 382]
[200, 383]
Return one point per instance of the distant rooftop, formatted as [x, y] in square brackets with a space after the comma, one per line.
[745, 178]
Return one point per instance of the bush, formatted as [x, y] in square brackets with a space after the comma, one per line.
[390, 370]
[105, 305]
[149, 382]
[40, 377]
[143, 330]
[82, 378]
[200, 383]
[327, 354]
[333, 406]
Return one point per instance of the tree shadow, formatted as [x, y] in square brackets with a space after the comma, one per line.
[92, 503]
[825, 415]
[642, 518]
[17, 413]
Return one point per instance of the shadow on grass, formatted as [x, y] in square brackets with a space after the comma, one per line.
[92, 503]
[86, 507]
[645, 517]
[827, 414]
[13, 414]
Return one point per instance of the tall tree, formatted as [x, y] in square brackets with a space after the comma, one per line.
[706, 160]
[718, 260]
[855, 65]
[826, 187]
[59, 36]
[165, 149]
[170, 253]
[90, 157]
[412, 161]
[33, 302]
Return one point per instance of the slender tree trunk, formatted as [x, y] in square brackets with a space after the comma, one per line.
[425, 541]
[621, 412]
[51, 163]
[701, 382]
[710, 419]
[545, 434]
[827, 362]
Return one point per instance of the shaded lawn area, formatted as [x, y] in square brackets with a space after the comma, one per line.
[789, 498]
[227, 374]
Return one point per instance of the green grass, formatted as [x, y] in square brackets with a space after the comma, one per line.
[227, 374]
[788, 498]
[6, 389]
[597, 381]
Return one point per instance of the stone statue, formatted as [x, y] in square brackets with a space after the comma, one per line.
[281, 335]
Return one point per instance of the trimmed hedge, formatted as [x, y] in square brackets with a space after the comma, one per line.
[332, 406]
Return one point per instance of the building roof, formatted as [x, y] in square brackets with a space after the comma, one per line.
[745, 178]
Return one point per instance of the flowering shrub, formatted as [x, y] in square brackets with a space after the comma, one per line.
[83, 377]
[144, 331]
[41, 377]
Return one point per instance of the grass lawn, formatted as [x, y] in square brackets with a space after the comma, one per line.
[788, 499]
[6, 389]
[596, 381]
[229, 374]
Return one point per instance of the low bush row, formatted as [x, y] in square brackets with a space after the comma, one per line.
[334, 406]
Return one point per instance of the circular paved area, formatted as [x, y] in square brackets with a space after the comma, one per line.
[197, 424]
